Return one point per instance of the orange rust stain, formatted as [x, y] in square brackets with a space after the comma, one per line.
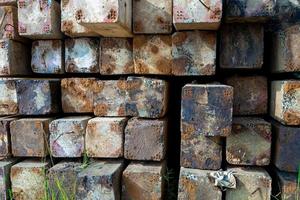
[138, 26]
[67, 26]
[291, 118]
[164, 66]
[179, 38]
[141, 67]
[101, 109]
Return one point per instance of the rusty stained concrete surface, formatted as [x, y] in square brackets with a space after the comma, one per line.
[152, 16]
[195, 184]
[142, 181]
[116, 56]
[33, 174]
[285, 105]
[194, 53]
[67, 136]
[288, 185]
[47, 57]
[5, 136]
[8, 98]
[29, 137]
[206, 109]
[100, 179]
[39, 19]
[105, 137]
[145, 139]
[77, 95]
[250, 94]
[249, 142]
[195, 14]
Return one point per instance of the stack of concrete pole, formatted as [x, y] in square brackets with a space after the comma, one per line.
[85, 99]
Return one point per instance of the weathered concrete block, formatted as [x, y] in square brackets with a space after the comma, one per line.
[206, 109]
[38, 97]
[28, 180]
[196, 184]
[200, 152]
[110, 19]
[82, 55]
[194, 53]
[242, 46]
[14, 58]
[39, 19]
[116, 56]
[285, 105]
[5, 137]
[249, 11]
[5, 184]
[146, 97]
[100, 180]
[29, 137]
[9, 22]
[145, 139]
[69, 23]
[250, 184]
[105, 137]
[143, 181]
[287, 147]
[152, 16]
[67, 136]
[8, 98]
[62, 179]
[287, 11]
[109, 98]
[288, 185]
[8, 2]
[47, 57]
[250, 94]
[77, 95]
[249, 142]
[285, 50]
[195, 14]
[152, 54]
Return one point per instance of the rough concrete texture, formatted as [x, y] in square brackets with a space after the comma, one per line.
[67, 136]
[147, 97]
[145, 139]
[116, 56]
[29, 137]
[113, 19]
[39, 19]
[105, 137]
[8, 99]
[142, 181]
[8, 2]
[288, 11]
[206, 109]
[286, 147]
[251, 183]
[195, 184]
[38, 96]
[82, 55]
[100, 180]
[5, 184]
[62, 179]
[194, 53]
[152, 17]
[69, 25]
[285, 105]
[152, 54]
[47, 57]
[77, 95]
[242, 46]
[250, 94]
[28, 180]
[287, 185]
[5, 137]
[9, 23]
[285, 49]
[250, 11]
[195, 14]
[14, 58]
[109, 98]
[200, 152]
[249, 142]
